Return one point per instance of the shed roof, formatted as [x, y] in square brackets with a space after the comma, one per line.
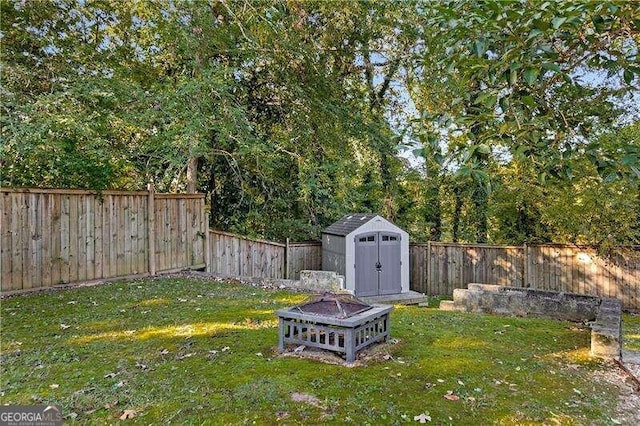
[348, 224]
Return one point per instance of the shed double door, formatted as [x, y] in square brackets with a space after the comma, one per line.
[378, 264]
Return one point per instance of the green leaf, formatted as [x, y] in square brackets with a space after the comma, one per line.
[420, 152]
[551, 66]
[529, 101]
[628, 76]
[530, 75]
[629, 160]
[513, 77]
[490, 101]
[557, 22]
[479, 48]
[483, 148]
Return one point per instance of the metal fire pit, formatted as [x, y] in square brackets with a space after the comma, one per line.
[339, 323]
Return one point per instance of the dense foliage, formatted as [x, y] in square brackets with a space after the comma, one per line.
[519, 119]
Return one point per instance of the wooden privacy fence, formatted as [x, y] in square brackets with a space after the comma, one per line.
[58, 236]
[235, 255]
[439, 268]
[50, 237]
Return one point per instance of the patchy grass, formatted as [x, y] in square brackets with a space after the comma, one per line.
[193, 351]
[631, 332]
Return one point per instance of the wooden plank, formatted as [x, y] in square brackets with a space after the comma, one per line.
[143, 242]
[98, 234]
[46, 215]
[117, 228]
[16, 233]
[151, 230]
[81, 230]
[126, 230]
[37, 206]
[73, 239]
[26, 239]
[181, 233]
[192, 227]
[65, 235]
[6, 242]
[56, 243]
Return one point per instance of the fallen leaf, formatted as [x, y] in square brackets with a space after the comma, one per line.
[109, 406]
[128, 414]
[189, 355]
[64, 326]
[299, 349]
[110, 375]
[54, 386]
[226, 348]
[164, 352]
[451, 396]
[422, 418]
[121, 383]
[460, 382]
[440, 381]
[258, 353]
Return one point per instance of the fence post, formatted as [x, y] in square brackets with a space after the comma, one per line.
[428, 270]
[207, 248]
[286, 259]
[151, 228]
[525, 262]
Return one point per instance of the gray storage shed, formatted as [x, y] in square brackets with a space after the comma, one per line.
[371, 252]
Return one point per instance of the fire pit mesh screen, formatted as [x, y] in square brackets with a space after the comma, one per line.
[333, 305]
[339, 323]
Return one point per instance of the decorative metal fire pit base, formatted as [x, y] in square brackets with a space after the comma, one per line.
[336, 323]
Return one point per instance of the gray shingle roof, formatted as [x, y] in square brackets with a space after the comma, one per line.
[348, 224]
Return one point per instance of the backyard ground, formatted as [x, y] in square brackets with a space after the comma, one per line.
[189, 350]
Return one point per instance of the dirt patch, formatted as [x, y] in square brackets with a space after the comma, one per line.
[627, 410]
[379, 352]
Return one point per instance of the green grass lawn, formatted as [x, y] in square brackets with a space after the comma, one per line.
[193, 351]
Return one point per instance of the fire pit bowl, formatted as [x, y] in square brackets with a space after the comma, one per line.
[339, 323]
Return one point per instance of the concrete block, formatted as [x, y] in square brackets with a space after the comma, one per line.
[448, 305]
[321, 281]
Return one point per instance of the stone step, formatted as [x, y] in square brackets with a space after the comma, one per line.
[447, 305]
[408, 298]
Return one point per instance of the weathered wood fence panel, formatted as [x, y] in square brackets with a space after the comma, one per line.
[235, 255]
[418, 270]
[59, 236]
[303, 256]
[580, 269]
[180, 226]
[453, 266]
[439, 268]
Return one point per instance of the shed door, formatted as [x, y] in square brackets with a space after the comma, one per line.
[378, 263]
[366, 260]
[390, 262]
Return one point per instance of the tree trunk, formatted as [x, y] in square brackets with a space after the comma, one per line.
[192, 175]
[457, 211]
[480, 202]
